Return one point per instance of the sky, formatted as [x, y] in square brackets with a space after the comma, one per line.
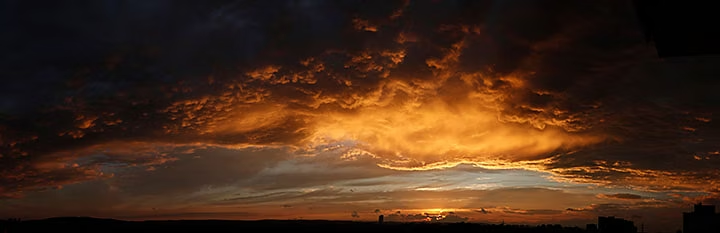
[523, 112]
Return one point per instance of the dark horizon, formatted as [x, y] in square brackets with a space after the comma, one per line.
[702, 219]
[210, 225]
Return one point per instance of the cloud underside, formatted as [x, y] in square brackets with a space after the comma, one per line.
[217, 200]
[470, 86]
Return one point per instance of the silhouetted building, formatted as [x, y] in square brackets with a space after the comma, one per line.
[615, 225]
[591, 228]
[381, 218]
[703, 219]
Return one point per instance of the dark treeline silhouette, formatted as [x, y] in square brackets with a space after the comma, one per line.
[84, 224]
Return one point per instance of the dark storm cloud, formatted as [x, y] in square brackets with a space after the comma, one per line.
[88, 74]
[95, 77]
[94, 72]
[132, 59]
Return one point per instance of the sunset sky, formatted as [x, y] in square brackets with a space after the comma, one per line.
[526, 112]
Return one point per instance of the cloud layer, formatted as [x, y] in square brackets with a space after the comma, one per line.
[105, 90]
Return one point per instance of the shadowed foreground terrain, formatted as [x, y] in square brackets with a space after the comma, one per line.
[79, 224]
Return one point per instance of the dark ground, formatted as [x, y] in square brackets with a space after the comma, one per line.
[81, 224]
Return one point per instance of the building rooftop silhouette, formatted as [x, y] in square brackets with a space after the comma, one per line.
[615, 225]
[702, 219]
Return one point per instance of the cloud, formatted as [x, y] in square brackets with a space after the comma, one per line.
[575, 95]
[626, 196]
[276, 103]
[405, 217]
[189, 216]
[483, 211]
[221, 169]
[73, 166]
[531, 212]
[452, 218]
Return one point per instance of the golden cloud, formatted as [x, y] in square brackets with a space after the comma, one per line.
[408, 122]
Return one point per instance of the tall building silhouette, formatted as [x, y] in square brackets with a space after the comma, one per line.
[615, 225]
[702, 219]
[381, 218]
